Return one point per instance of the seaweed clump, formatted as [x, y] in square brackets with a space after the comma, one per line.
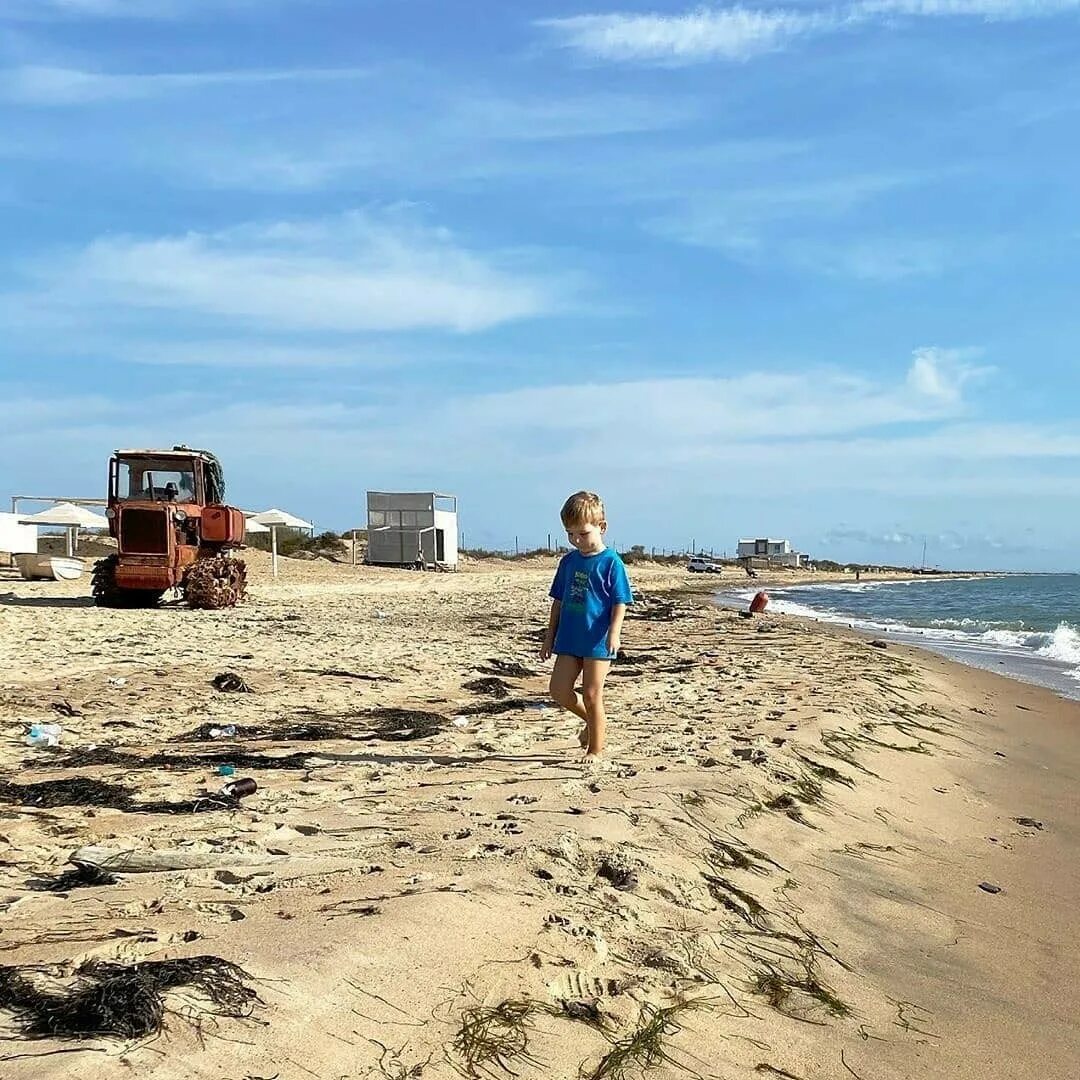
[644, 1048]
[120, 1000]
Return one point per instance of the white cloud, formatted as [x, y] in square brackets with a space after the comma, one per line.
[358, 272]
[741, 33]
[987, 9]
[735, 33]
[941, 374]
[54, 86]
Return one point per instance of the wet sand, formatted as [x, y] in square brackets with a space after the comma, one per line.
[775, 874]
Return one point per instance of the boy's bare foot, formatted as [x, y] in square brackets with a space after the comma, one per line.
[583, 737]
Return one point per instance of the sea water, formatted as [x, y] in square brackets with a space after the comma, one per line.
[1023, 625]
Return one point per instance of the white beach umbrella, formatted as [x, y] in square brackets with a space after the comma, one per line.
[276, 519]
[70, 516]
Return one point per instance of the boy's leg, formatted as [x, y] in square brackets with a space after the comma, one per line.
[593, 674]
[561, 686]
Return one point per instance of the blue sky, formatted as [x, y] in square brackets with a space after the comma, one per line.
[802, 270]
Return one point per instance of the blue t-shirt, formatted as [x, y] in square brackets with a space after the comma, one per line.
[588, 586]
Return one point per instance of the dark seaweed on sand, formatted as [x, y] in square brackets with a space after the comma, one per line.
[81, 791]
[119, 1000]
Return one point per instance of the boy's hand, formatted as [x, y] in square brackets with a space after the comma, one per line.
[614, 643]
[548, 645]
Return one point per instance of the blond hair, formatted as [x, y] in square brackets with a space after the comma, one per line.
[582, 508]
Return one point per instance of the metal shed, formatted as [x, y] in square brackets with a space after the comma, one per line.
[412, 528]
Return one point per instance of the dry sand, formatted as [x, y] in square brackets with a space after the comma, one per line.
[777, 870]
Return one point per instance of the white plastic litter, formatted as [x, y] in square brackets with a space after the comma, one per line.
[118, 682]
[44, 735]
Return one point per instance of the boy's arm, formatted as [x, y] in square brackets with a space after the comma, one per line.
[614, 634]
[549, 634]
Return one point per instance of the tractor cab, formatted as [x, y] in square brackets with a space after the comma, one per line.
[178, 476]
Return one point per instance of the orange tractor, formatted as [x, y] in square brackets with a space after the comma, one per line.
[173, 531]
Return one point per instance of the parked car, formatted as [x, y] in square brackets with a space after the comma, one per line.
[704, 566]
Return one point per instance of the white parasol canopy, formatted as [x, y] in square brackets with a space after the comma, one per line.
[71, 517]
[278, 519]
[253, 527]
[68, 514]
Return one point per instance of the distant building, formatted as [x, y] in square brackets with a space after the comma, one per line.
[412, 528]
[768, 552]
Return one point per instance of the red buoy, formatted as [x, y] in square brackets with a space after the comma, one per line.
[759, 603]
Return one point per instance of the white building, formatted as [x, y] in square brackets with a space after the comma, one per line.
[407, 528]
[773, 552]
[16, 538]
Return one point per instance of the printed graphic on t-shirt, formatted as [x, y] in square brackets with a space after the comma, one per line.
[579, 587]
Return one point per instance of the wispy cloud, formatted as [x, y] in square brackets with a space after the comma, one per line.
[985, 9]
[736, 33]
[355, 273]
[41, 85]
[789, 434]
[741, 33]
[941, 374]
[794, 223]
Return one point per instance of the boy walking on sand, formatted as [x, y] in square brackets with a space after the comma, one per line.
[588, 602]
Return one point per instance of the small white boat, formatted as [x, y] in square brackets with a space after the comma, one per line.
[49, 567]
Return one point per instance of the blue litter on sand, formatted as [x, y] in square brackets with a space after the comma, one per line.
[226, 770]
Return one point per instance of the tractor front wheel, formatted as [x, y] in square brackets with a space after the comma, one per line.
[107, 593]
[215, 581]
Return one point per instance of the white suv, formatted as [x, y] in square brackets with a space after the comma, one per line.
[703, 566]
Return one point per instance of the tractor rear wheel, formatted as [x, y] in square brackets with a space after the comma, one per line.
[108, 594]
[215, 581]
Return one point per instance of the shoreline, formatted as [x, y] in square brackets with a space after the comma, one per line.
[1016, 662]
[785, 847]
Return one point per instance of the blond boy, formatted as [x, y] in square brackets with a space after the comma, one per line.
[588, 603]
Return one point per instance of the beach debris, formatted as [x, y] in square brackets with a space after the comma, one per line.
[764, 1068]
[228, 682]
[643, 1048]
[129, 861]
[78, 791]
[618, 873]
[237, 789]
[226, 732]
[759, 603]
[404, 725]
[118, 682]
[508, 668]
[778, 988]
[44, 735]
[1028, 822]
[460, 721]
[495, 1035]
[877, 643]
[341, 673]
[65, 708]
[586, 1012]
[119, 1000]
[648, 607]
[226, 770]
[82, 791]
[493, 686]
[78, 877]
[750, 753]
[987, 886]
[494, 708]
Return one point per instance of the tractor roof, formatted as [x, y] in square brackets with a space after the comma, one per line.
[176, 452]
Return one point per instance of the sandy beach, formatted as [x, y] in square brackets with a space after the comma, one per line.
[805, 857]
